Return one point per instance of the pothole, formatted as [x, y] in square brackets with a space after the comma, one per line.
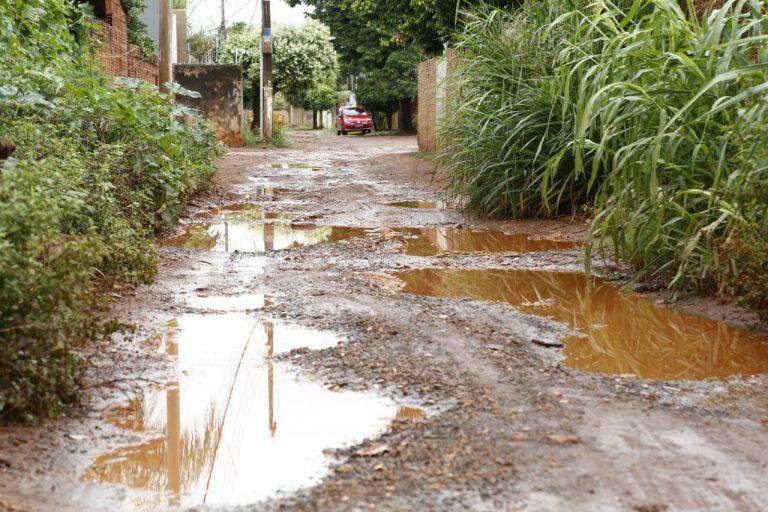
[251, 211]
[236, 427]
[429, 241]
[422, 205]
[614, 332]
[257, 237]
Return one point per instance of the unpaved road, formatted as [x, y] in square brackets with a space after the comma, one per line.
[500, 423]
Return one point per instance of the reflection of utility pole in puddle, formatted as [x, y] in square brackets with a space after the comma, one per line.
[226, 236]
[269, 327]
[173, 429]
[269, 237]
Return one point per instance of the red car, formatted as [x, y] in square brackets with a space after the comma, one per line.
[353, 119]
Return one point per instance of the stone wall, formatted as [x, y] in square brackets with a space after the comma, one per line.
[221, 87]
[116, 56]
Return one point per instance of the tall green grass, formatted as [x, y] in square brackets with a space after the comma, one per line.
[651, 119]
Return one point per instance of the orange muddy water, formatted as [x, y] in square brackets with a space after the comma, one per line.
[237, 427]
[422, 205]
[429, 241]
[612, 332]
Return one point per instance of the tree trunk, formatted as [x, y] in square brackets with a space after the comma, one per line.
[314, 119]
[406, 117]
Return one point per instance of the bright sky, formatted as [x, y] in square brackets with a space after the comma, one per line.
[206, 14]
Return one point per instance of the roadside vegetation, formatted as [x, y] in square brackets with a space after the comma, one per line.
[99, 167]
[648, 118]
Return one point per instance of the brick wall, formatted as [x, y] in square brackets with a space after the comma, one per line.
[427, 114]
[116, 56]
[434, 89]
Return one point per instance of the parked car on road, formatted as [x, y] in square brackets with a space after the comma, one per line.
[353, 119]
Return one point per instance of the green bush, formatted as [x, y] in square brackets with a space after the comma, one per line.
[653, 119]
[98, 168]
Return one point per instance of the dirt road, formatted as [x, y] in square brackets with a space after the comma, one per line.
[327, 333]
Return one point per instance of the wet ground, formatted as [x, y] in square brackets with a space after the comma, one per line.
[327, 332]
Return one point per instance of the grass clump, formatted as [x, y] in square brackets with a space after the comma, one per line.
[98, 168]
[650, 118]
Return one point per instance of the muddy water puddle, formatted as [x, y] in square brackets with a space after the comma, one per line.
[250, 211]
[612, 332]
[235, 427]
[257, 237]
[422, 205]
[429, 241]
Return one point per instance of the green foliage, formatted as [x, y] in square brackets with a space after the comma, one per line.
[242, 47]
[98, 168]
[303, 59]
[137, 29]
[655, 118]
[322, 97]
[201, 46]
[381, 90]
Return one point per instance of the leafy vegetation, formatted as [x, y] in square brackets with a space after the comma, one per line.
[653, 119]
[98, 168]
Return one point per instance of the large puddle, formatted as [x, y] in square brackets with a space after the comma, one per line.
[429, 241]
[237, 229]
[257, 237]
[613, 332]
[236, 428]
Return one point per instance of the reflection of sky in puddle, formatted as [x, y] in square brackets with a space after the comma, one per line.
[240, 302]
[618, 332]
[237, 428]
[259, 237]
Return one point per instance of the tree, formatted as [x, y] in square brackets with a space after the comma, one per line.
[201, 45]
[303, 59]
[392, 87]
[242, 47]
[317, 99]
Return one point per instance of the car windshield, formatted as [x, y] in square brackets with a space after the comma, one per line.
[353, 111]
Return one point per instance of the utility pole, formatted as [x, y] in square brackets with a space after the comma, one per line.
[165, 43]
[266, 71]
[222, 33]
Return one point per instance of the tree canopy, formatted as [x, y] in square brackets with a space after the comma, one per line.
[303, 59]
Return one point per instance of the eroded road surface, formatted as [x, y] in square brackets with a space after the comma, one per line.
[327, 332]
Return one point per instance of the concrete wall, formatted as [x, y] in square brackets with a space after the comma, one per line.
[180, 20]
[221, 87]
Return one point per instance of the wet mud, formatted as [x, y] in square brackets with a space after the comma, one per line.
[317, 339]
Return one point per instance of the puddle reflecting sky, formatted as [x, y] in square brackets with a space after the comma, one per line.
[618, 332]
[249, 211]
[258, 237]
[236, 428]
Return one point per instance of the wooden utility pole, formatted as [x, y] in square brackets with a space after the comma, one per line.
[222, 30]
[266, 71]
[165, 43]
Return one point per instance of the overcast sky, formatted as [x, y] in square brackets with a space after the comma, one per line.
[206, 14]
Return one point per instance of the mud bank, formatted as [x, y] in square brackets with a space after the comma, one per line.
[327, 326]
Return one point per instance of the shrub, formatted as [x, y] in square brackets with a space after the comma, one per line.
[654, 117]
[99, 167]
